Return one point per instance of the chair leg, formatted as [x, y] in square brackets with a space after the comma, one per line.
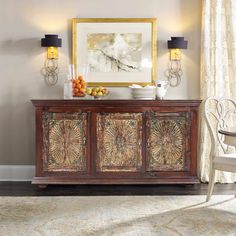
[211, 184]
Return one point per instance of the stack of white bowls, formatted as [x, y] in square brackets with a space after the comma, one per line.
[146, 93]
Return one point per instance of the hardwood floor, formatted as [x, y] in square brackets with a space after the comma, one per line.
[27, 189]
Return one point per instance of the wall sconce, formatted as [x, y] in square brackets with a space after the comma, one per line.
[174, 71]
[50, 70]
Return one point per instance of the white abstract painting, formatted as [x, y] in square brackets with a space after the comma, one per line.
[114, 52]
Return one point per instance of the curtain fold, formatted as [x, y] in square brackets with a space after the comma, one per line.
[218, 69]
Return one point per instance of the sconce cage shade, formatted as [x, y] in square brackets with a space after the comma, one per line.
[177, 42]
[51, 40]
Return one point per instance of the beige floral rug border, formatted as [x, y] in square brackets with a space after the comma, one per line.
[117, 215]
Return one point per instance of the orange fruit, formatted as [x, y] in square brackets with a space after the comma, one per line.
[78, 86]
[75, 90]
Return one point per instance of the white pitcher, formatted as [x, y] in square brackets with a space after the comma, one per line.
[162, 87]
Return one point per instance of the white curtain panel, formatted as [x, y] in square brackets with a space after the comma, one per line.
[218, 69]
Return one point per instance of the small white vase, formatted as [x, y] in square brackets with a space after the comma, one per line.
[162, 87]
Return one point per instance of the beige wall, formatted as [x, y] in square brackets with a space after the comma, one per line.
[24, 22]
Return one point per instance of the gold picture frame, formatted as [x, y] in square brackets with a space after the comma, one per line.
[136, 36]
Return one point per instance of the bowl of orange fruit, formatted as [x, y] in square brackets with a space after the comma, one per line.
[79, 86]
[97, 92]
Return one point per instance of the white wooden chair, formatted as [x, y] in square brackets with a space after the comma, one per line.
[219, 114]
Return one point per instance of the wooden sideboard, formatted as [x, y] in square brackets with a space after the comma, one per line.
[116, 141]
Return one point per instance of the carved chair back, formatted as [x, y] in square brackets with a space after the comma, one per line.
[220, 113]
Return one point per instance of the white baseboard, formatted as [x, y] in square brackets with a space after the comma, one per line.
[17, 172]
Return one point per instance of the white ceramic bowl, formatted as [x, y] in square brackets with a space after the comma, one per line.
[143, 93]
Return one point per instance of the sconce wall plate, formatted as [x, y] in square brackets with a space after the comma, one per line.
[52, 53]
[175, 54]
[50, 70]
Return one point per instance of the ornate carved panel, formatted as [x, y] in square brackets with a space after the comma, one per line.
[119, 137]
[168, 135]
[64, 141]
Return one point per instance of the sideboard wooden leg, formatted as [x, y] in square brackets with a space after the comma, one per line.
[42, 186]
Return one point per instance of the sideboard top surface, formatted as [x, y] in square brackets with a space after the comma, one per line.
[114, 102]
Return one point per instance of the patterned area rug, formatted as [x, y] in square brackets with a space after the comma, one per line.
[117, 215]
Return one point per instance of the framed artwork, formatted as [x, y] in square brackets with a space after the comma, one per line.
[117, 52]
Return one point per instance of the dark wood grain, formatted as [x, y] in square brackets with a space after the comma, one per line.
[114, 103]
[26, 189]
[173, 108]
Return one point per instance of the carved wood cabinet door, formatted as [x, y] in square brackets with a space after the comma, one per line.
[64, 142]
[119, 142]
[168, 141]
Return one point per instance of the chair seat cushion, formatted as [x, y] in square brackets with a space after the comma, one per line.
[225, 162]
